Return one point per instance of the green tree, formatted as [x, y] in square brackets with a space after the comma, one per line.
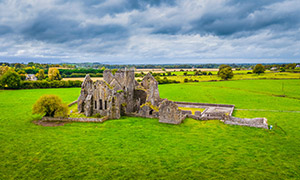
[10, 80]
[41, 74]
[113, 71]
[3, 70]
[282, 69]
[50, 105]
[53, 74]
[290, 66]
[259, 68]
[197, 73]
[22, 74]
[225, 72]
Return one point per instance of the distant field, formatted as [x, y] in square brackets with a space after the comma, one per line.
[171, 70]
[93, 78]
[238, 75]
[141, 148]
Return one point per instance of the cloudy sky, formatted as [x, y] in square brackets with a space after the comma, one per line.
[150, 31]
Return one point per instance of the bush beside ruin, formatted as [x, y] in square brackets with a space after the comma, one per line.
[50, 105]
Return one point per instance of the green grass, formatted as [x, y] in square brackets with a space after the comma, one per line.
[238, 75]
[141, 148]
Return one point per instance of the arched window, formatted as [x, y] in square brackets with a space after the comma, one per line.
[101, 104]
[151, 112]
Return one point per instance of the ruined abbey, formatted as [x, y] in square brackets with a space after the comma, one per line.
[120, 94]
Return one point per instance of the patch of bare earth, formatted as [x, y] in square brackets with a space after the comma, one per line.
[51, 124]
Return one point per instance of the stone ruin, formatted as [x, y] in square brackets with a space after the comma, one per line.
[120, 94]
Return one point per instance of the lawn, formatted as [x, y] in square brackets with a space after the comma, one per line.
[141, 148]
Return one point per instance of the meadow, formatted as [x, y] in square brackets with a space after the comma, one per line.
[142, 148]
[238, 75]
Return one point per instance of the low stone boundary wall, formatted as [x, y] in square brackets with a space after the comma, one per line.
[186, 104]
[255, 122]
[72, 103]
[186, 112]
[193, 116]
[49, 119]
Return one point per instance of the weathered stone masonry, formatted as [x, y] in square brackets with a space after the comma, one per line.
[120, 94]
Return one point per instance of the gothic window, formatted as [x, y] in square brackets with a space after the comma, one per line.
[95, 104]
[151, 112]
[105, 104]
[101, 104]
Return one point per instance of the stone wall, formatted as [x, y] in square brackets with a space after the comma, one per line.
[169, 113]
[72, 103]
[196, 105]
[69, 119]
[255, 122]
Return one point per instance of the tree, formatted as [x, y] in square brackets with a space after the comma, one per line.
[197, 73]
[22, 74]
[259, 68]
[41, 74]
[53, 74]
[225, 72]
[3, 70]
[10, 80]
[50, 105]
[282, 69]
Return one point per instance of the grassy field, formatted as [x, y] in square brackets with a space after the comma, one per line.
[141, 148]
[238, 75]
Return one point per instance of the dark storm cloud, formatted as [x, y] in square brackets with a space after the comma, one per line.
[104, 7]
[49, 27]
[138, 30]
[238, 17]
[5, 29]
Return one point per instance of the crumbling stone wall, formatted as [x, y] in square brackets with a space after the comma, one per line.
[169, 113]
[255, 122]
[119, 94]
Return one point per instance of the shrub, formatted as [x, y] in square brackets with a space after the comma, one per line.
[282, 69]
[50, 105]
[165, 80]
[49, 84]
[10, 79]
